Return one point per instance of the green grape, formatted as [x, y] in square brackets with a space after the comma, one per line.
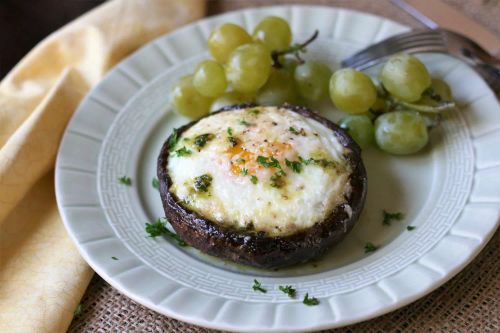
[440, 92]
[187, 101]
[380, 105]
[360, 128]
[432, 120]
[436, 99]
[274, 32]
[224, 39]
[312, 80]
[209, 79]
[248, 67]
[442, 89]
[230, 98]
[279, 89]
[289, 65]
[401, 132]
[352, 91]
[405, 77]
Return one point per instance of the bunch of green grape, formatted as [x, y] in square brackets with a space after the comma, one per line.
[242, 70]
[399, 112]
[264, 68]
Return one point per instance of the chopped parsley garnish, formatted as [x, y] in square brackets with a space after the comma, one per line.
[244, 172]
[78, 310]
[254, 179]
[114, 258]
[288, 290]
[183, 152]
[172, 140]
[277, 179]
[240, 160]
[410, 228]
[268, 162]
[388, 217]
[294, 131]
[159, 228]
[244, 122]
[201, 140]
[257, 286]
[310, 300]
[323, 162]
[306, 162]
[232, 140]
[156, 229]
[370, 247]
[125, 180]
[155, 183]
[202, 183]
[254, 111]
[296, 166]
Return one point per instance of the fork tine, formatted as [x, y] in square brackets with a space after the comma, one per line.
[369, 61]
[411, 42]
[396, 40]
[414, 44]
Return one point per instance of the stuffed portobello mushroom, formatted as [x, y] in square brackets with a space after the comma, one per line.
[262, 186]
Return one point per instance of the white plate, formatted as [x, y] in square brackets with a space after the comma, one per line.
[449, 192]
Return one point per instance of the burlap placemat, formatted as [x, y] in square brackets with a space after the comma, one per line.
[467, 303]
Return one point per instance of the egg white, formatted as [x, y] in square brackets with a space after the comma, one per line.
[232, 199]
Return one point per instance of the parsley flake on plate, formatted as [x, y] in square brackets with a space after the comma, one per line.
[155, 183]
[254, 179]
[310, 301]
[370, 247]
[114, 258]
[388, 217]
[125, 180]
[257, 286]
[288, 290]
[159, 228]
[410, 228]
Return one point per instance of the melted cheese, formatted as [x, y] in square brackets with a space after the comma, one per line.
[279, 201]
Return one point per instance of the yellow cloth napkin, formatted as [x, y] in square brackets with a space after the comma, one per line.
[42, 276]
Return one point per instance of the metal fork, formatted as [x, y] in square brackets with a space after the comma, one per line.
[437, 40]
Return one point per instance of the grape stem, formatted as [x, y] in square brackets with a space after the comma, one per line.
[295, 49]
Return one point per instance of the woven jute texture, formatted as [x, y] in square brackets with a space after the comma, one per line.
[467, 303]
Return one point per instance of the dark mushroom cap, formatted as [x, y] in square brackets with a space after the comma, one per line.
[256, 248]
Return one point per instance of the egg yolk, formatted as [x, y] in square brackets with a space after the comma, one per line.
[242, 158]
